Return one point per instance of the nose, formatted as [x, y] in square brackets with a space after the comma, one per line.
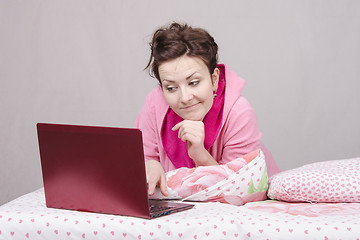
[185, 95]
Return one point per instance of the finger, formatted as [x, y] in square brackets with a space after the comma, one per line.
[177, 126]
[187, 129]
[183, 124]
[151, 187]
[190, 136]
[163, 185]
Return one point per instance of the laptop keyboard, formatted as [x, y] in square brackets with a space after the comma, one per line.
[156, 208]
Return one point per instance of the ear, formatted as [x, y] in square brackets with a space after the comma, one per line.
[215, 79]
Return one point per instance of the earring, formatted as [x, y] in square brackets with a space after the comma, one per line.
[215, 95]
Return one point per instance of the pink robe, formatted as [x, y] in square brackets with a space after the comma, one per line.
[239, 133]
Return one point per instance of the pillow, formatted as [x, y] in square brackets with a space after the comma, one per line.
[237, 182]
[329, 181]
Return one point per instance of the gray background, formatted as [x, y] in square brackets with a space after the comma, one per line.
[81, 62]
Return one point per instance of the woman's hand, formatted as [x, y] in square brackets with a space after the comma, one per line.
[155, 176]
[194, 134]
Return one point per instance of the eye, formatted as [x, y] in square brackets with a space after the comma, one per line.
[170, 89]
[194, 83]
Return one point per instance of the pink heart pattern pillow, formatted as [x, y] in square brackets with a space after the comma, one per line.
[328, 181]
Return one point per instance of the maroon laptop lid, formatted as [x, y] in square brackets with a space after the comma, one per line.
[95, 169]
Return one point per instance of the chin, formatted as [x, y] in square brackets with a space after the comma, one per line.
[193, 117]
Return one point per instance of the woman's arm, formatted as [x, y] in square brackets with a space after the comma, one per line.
[193, 133]
[146, 122]
[241, 134]
[155, 176]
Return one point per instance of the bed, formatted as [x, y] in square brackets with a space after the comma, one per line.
[28, 218]
[283, 217]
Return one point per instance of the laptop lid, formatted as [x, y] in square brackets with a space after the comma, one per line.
[95, 169]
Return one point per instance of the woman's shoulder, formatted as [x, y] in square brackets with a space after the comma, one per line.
[240, 110]
[155, 104]
[155, 93]
[155, 97]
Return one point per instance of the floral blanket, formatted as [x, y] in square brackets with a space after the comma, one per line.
[237, 182]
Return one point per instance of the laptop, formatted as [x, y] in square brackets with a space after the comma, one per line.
[97, 169]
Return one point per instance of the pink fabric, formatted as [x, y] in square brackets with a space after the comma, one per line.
[174, 147]
[240, 181]
[238, 135]
[328, 181]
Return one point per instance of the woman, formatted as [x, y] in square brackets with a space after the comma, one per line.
[197, 116]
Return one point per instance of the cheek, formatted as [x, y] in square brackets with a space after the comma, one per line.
[170, 99]
[209, 102]
[208, 94]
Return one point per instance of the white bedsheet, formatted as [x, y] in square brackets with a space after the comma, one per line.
[28, 218]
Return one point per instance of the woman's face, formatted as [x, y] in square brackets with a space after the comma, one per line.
[188, 86]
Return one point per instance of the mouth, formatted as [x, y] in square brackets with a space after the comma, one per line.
[190, 106]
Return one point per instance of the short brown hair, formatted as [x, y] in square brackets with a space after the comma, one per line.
[180, 39]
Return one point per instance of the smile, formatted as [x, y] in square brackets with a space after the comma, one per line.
[190, 107]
